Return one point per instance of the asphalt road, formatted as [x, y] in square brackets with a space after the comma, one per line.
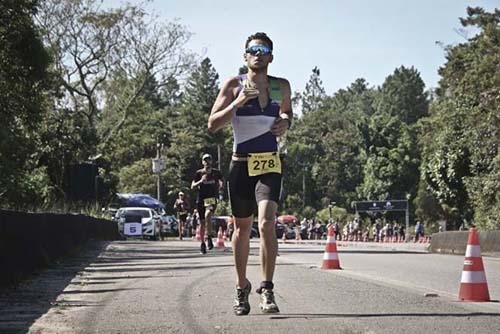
[168, 287]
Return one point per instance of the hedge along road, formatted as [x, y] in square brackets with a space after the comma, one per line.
[168, 287]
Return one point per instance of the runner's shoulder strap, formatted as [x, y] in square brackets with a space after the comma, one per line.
[275, 92]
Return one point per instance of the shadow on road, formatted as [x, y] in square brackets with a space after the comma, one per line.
[21, 305]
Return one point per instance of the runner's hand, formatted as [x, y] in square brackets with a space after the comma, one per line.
[279, 127]
[245, 95]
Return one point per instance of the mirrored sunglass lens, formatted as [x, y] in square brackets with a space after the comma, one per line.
[258, 48]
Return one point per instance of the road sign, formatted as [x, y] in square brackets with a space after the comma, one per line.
[374, 206]
[158, 165]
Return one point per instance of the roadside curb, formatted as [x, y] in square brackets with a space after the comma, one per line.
[408, 246]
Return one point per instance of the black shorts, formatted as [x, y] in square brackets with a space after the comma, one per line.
[200, 206]
[246, 191]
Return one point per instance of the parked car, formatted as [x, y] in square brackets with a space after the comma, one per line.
[169, 226]
[283, 228]
[150, 220]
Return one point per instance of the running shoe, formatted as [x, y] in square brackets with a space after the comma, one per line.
[241, 305]
[203, 248]
[210, 244]
[267, 303]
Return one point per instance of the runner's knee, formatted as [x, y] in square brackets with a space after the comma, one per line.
[266, 225]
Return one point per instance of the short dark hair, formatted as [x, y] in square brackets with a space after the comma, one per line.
[262, 36]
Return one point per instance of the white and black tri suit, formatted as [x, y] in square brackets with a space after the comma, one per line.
[252, 134]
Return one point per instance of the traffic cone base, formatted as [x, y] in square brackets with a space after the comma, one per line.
[220, 241]
[474, 292]
[473, 285]
[198, 234]
[330, 257]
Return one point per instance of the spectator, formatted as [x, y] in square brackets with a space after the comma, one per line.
[378, 228]
[419, 230]
[336, 229]
[396, 231]
[303, 228]
[402, 233]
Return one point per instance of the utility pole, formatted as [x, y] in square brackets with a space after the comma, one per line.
[218, 156]
[158, 166]
[158, 180]
[330, 210]
[304, 186]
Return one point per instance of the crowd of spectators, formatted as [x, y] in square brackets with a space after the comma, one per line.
[356, 230]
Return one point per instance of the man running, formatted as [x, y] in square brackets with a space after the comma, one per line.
[259, 108]
[209, 182]
[182, 207]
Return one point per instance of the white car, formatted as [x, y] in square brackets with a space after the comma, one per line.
[150, 220]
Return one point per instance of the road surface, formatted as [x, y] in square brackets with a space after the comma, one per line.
[168, 287]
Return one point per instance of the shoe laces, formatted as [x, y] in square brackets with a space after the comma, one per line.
[242, 294]
[266, 295]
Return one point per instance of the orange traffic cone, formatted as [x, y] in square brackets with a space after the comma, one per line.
[224, 235]
[331, 258]
[198, 234]
[473, 285]
[220, 242]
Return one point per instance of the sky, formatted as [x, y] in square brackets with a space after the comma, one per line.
[346, 39]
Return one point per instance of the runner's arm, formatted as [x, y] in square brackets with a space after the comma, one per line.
[225, 105]
[197, 180]
[286, 102]
[284, 121]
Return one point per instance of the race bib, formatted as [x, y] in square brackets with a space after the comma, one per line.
[263, 163]
[210, 201]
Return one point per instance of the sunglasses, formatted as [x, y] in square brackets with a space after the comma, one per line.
[255, 49]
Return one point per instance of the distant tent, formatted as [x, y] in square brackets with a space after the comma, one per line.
[140, 200]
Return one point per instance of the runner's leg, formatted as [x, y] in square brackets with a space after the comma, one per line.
[181, 227]
[208, 221]
[241, 248]
[268, 241]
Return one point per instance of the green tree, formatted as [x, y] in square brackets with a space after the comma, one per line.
[314, 94]
[391, 170]
[461, 137]
[327, 150]
[189, 135]
[23, 82]
[109, 64]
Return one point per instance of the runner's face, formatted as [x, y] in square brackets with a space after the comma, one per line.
[207, 163]
[257, 61]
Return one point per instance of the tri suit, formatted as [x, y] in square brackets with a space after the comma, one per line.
[208, 191]
[255, 170]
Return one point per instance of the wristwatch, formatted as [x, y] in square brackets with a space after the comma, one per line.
[234, 107]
